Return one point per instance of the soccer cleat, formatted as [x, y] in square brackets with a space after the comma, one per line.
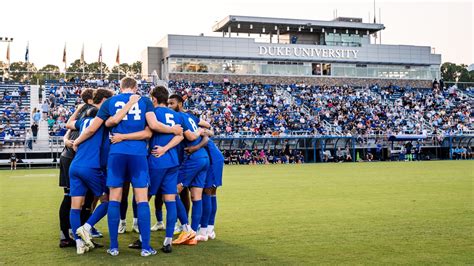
[136, 245]
[211, 235]
[96, 233]
[200, 237]
[159, 226]
[85, 236]
[65, 243]
[135, 228]
[97, 245]
[122, 227]
[191, 242]
[166, 249]
[148, 252]
[177, 229]
[183, 237]
[81, 248]
[113, 251]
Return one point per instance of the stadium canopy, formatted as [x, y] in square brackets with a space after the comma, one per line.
[268, 25]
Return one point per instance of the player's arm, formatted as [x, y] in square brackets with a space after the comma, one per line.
[72, 120]
[208, 132]
[67, 142]
[192, 149]
[157, 126]
[115, 120]
[192, 136]
[159, 151]
[204, 123]
[140, 135]
[89, 131]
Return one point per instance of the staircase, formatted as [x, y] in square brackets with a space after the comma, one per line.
[42, 143]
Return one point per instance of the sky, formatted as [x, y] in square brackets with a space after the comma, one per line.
[48, 25]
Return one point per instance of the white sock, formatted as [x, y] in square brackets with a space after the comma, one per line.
[168, 241]
[187, 228]
[123, 221]
[135, 221]
[140, 237]
[202, 231]
[88, 227]
[79, 242]
[210, 228]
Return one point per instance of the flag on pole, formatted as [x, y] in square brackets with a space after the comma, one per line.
[82, 55]
[100, 54]
[64, 54]
[8, 53]
[27, 53]
[117, 58]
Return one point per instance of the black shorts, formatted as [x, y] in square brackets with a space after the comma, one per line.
[64, 164]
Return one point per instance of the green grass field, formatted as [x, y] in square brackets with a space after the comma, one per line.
[363, 213]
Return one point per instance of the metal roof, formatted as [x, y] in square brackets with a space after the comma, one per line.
[256, 25]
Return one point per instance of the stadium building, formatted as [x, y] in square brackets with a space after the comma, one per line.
[340, 51]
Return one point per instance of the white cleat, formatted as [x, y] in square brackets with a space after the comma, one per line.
[135, 228]
[113, 251]
[159, 226]
[201, 237]
[81, 248]
[122, 227]
[177, 229]
[149, 252]
[211, 235]
[85, 236]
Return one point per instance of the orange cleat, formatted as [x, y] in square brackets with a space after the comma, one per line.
[191, 242]
[183, 237]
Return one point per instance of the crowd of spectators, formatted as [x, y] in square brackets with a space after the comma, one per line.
[14, 114]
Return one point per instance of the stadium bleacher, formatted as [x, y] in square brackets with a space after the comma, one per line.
[14, 113]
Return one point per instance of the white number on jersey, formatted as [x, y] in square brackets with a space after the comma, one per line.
[193, 124]
[170, 119]
[135, 110]
[86, 124]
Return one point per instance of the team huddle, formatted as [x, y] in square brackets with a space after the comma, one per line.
[154, 145]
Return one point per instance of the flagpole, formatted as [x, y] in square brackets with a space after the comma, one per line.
[100, 62]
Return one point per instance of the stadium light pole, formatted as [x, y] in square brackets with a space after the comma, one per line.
[7, 40]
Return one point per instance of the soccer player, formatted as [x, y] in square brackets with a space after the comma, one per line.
[192, 173]
[164, 163]
[128, 159]
[86, 173]
[64, 163]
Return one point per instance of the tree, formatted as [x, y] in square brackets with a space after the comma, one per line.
[125, 70]
[136, 68]
[94, 70]
[453, 72]
[20, 71]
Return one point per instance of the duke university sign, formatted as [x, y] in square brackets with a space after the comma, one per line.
[308, 52]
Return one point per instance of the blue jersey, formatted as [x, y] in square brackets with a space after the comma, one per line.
[214, 153]
[170, 158]
[104, 151]
[190, 122]
[88, 153]
[134, 121]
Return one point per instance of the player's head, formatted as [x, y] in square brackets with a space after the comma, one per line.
[175, 102]
[91, 112]
[159, 95]
[128, 83]
[100, 95]
[87, 95]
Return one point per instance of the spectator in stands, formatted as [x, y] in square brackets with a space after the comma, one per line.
[339, 155]
[34, 130]
[13, 161]
[347, 154]
[36, 115]
[327, 156]
[29, 139]
[45, 109]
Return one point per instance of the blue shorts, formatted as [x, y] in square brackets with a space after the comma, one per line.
[214, 175]
[192, 173]
[125, 167]
[82, 179]
[163, 181]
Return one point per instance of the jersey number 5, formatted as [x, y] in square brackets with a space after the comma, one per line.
[170, 119]
[135, 110]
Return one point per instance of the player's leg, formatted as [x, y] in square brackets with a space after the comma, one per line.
[168, 189]
[64, 223]
[206, 212]
[197, 186]
[138, 170]
[158, 213]
[212, 217]
[123, 208]
[87, 207]
[185, 175]
[184, 195]
[135, 215]
[78, 191]
[116, 172]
